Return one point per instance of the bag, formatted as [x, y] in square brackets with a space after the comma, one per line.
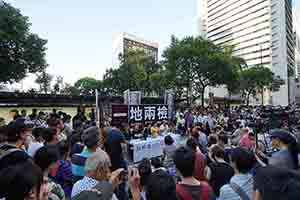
[204, 189]
[237, 189]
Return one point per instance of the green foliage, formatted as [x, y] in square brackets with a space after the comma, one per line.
[255, 79]
[21, 52]
[87, 86]
[44, 81]
[194, 63]
[135, 73]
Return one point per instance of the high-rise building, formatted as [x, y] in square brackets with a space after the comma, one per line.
[261, 32]
[125, 42]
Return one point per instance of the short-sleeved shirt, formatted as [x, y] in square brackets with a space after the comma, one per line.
[113, 147]
[282, 159]
[244, 181]
[195, 192]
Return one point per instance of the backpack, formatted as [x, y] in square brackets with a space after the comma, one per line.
[204, 188]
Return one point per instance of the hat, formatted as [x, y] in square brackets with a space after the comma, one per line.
[102, 191]
[285, 136]
[90, 137]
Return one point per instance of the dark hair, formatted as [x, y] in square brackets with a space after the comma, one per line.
[23, 111]
[161, 186]
[37, 132]
[217, 151]
[223, 137]
[242, 159]
[90, 137]
[3, 134]
[53, 122]
[212, 139]
[169, 140]
[14, 130]
[48, 134]
[192, 143]
[46, 156]
[145, 171]
[17, 181]
[156, 163]
[34, 111]
[184, 159]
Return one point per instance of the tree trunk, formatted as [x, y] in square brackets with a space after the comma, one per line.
[202, 98]
[262, 97]
[248, 96]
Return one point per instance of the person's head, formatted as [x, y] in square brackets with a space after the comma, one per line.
[212, 139]
[168, 140]
[184, 159]
[251, 137]
[216, 152]
[91, 138]
[46, 158]
[156, 163]
[161, 186]
[223, 138]
[195, 132]
[67, 119]
[241, 160]
[55, 124]
[50, 136]
[34, 111]
[283, 139]
[21, 181]
[38, 134]
[23, 113]
[145, 171]
[54, 111]
[244, 131]
[18, 131]
[97, 166]
[192, 144]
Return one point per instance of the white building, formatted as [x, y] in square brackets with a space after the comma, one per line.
[261, 32]
[125, 41]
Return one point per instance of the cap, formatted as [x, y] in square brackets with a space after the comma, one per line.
[283, 135]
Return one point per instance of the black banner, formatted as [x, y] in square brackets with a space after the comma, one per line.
[119, 114]
[147, 113]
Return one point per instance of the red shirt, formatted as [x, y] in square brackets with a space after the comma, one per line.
[199, 166]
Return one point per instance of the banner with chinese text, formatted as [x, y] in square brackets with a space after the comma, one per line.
[147, 113]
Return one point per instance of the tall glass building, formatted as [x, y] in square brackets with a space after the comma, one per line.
[261, 32]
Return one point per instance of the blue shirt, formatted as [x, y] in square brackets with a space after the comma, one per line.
[78, 163]
[86, 183]
[245, 181]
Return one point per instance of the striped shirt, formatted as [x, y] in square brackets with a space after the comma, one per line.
[245, 181]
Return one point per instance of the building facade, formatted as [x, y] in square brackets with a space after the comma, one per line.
[125, 42]
[261, 32]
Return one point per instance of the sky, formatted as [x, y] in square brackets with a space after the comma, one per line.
[80, 34]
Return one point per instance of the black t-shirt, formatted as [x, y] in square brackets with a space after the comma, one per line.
[221, 174]
[113, 147]
[195, 192]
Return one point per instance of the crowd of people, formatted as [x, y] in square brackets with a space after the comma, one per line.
[54, 156]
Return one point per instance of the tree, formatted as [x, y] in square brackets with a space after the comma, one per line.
[87, 85]
[193, 64]
[58, 85]
[134, 73]
[256, 79]
[70, 90]
[21, 51]
[44, 81]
